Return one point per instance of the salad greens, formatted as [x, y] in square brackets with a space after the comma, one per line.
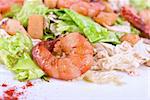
[64, 26]
[93, 31]
[26, 69]
[58, 22]
[69, 21]
[14, 53]
[29, 8]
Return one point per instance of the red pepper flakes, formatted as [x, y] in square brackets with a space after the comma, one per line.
[4, 85]
[12, 93]
[29, 84]
[23, 87]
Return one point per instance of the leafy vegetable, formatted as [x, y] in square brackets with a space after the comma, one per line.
[58, 22]
[14, 53]
[65, 20]
[48, 36]
[64, 26]
[26, 69]
[93, 31]
[29, 8]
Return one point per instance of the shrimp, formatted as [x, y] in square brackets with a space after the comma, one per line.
[81, 7]
[96, 8]
[66, 3]
[5, 5]
[136, 20]
[65, 58]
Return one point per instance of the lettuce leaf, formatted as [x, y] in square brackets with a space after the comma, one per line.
[66, 26]
[26, 69]
[93, 31]
[14, 53]
[58, 22]
[29, 8]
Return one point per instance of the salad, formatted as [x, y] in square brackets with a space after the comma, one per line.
[74, 39]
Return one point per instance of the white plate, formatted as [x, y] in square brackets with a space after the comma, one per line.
[136, 88]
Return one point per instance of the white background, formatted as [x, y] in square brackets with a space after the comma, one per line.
[135, 88]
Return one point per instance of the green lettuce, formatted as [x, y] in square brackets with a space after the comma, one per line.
[93, 31]
[26, 69]
[66, 26]
[65, 20]
[29, 8]
[58, 22]
[14, 53]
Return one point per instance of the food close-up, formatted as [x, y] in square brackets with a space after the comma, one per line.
[71, 41]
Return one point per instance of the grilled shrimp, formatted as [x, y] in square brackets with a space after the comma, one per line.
[136, 20]
[5, 5]
[81, 7]
[65, 58]
[66, 3]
